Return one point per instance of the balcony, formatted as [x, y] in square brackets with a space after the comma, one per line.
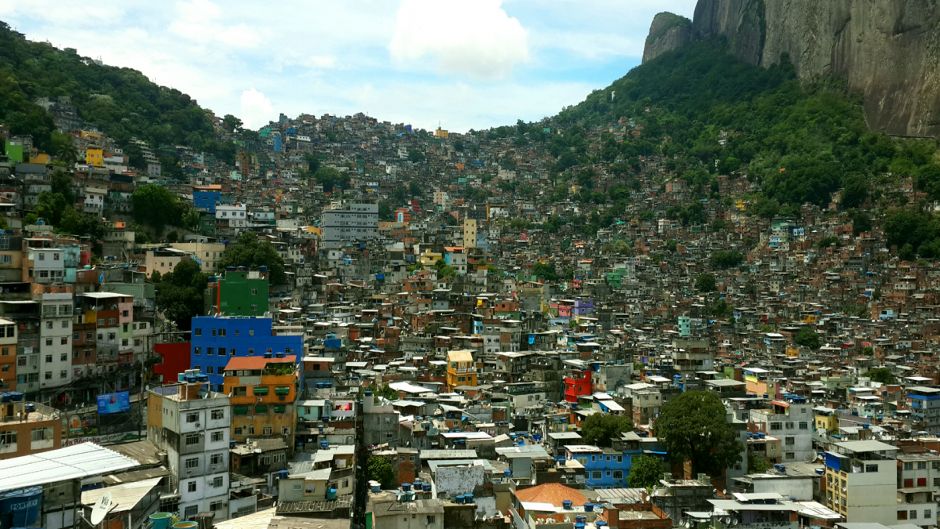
[260, 390]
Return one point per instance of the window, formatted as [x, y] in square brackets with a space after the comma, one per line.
[192, 417]
[215, 459]
[908, 466]
[217, 437]
[191, 487]
[430, 519]
[871, 468]
[192, 439]
[596, 474]
[927, 514]
[197, 350]
[221, 351]
[921, 465]
[775, 426]
[218, 414]
[7, 439]
[191, 463]
[266, 430]
[216, 483]
[217, 505]
[790, 441]
[197, 331]
[912, 515]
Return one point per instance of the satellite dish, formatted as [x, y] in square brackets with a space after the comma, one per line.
[101, 508]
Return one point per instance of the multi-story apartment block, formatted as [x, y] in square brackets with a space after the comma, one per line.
[192, 425]
[344, 224]
[7, 355]
[215, 339]
[55, 333]
[861, 481]
[924, 404]
[461, 369]
[791, 423]
[27, 427]
[262, 392]
[918, 488]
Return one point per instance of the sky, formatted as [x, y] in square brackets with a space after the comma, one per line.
[457, 64]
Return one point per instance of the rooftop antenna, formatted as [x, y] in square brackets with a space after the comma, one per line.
[100, 510]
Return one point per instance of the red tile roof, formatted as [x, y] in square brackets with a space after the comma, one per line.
[553, 493]
[253, 363]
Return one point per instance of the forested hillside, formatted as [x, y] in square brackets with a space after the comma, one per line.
[120, 101]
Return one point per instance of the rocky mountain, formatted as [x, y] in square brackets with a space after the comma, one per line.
[888, 51]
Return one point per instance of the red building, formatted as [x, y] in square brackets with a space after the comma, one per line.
[578, 385]
[174, 359]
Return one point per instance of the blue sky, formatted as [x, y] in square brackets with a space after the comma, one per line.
[459, 63]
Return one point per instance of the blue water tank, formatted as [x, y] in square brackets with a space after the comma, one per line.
[426, 487]
[507, 473]
[376, 488]
[589, 507]
[566, 504]
[406, 487]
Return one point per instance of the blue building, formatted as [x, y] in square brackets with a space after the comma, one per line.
[215, 339]
[603, 467]
[206, 198]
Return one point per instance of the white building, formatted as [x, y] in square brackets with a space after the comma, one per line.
[791, 423]
[918, 488]
[861, 481]
[192, 424]
[344, 224]
[234, 216]
[55, 340]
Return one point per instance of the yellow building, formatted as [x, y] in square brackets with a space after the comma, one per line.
[469, 233]
[461, 370]
[429, 258]
[94, 157]
[826, 419]
[262, 392]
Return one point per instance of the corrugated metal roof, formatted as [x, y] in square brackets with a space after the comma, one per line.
[73, 462]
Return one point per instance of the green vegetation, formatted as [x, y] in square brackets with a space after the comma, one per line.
[119, 101]
[379, 468]
[693, 426]
[251, 251]
[58, 209]
[646, 471]
[807, 337]
[709, 114]
[883, 375]
[705, 282]
[599, 429]
[156, 207]
[180, 293]
[757, 463]
[723, 259]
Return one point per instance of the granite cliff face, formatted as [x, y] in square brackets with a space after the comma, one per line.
[886, 50]
[667, 32]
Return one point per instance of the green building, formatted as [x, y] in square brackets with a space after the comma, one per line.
[238, 293]
[14, 152]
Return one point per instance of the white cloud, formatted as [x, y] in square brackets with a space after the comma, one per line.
[200, 21]
[256, 110]
[476, 38]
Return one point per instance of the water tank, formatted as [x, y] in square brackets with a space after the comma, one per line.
[566, 504]
[376, 488]
[426, 487]
[324, 444]
[406, 487]
[186, 525]
[468, 498]
[283, 474]
[161, 520]
[331, 493]
[268, 354]
[600, 523]
[507, 473]
[580, 518]
[588, 507]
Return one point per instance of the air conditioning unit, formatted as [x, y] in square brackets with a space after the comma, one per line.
[198, 425]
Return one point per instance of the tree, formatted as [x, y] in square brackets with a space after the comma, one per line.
[882, 374]
[599, 429]
[646, 471]
[757, 463]
[379, 468]
[330, 178]
[723, 259]
[705, 283]
[694, 427]
[807, 337]
[545, 271]
[231, 124]
[156, 207]
[179, 294]
[251, 251]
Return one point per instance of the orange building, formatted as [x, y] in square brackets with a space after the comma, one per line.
[461, 371]
[27, 427]
[262, 391]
